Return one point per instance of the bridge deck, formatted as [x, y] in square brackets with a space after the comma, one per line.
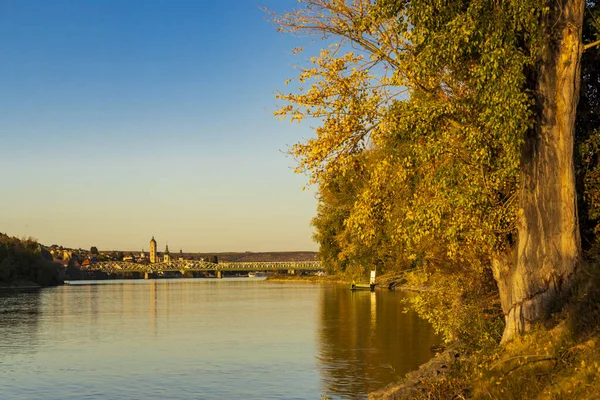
[126, 266]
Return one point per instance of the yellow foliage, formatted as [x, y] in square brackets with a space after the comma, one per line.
[437, 171]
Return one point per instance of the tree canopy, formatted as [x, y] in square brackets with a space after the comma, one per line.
[423, 110]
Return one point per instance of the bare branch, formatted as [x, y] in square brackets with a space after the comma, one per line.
[590, 45]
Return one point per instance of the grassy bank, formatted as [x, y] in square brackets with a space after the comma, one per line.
[549, 363]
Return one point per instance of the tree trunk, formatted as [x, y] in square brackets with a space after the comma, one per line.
[548, 246]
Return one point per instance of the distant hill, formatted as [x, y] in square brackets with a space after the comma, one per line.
[265, 256]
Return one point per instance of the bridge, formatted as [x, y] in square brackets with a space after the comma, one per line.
[113, 267]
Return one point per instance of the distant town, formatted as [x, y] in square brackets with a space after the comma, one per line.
[86, 259]
[24, 262]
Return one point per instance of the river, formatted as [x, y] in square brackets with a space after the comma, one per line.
[239, 338]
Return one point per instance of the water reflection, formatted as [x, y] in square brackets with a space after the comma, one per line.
[19, 321]
[367, 341]
[209, 339]
[153, 308]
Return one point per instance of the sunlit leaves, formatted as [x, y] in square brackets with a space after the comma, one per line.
[442, 160]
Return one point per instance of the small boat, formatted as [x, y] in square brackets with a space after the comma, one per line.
[256, 274]
[363, 286]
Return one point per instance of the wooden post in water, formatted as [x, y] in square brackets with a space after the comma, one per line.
[372, 281]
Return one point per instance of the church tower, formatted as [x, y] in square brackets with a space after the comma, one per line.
[167, 257]
[153, 258]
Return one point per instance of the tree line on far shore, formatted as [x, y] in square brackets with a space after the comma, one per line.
[25, 261]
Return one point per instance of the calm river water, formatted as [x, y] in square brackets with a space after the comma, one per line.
[205, 339]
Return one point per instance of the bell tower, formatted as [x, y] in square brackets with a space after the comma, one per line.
[153, 258]
[167, 257]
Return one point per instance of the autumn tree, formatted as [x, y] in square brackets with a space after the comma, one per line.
[471, 106]
[333, 209]
[340, 248]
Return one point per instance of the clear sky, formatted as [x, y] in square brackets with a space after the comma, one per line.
[120, 120]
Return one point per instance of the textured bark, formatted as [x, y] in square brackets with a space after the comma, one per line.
[548, 246]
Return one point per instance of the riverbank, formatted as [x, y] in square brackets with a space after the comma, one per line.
[548, 363]
[559, 359]
[387, 281]
[399, 281]
[308, 278]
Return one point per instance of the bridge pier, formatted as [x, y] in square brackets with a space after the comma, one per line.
[146, 275]
[291, 272]
[219, 274]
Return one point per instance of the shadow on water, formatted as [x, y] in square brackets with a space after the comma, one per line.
[19, 321]
[367, 340]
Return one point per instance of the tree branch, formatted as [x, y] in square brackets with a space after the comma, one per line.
[590, 45]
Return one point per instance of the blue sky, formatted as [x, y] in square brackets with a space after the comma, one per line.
[121, 120]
